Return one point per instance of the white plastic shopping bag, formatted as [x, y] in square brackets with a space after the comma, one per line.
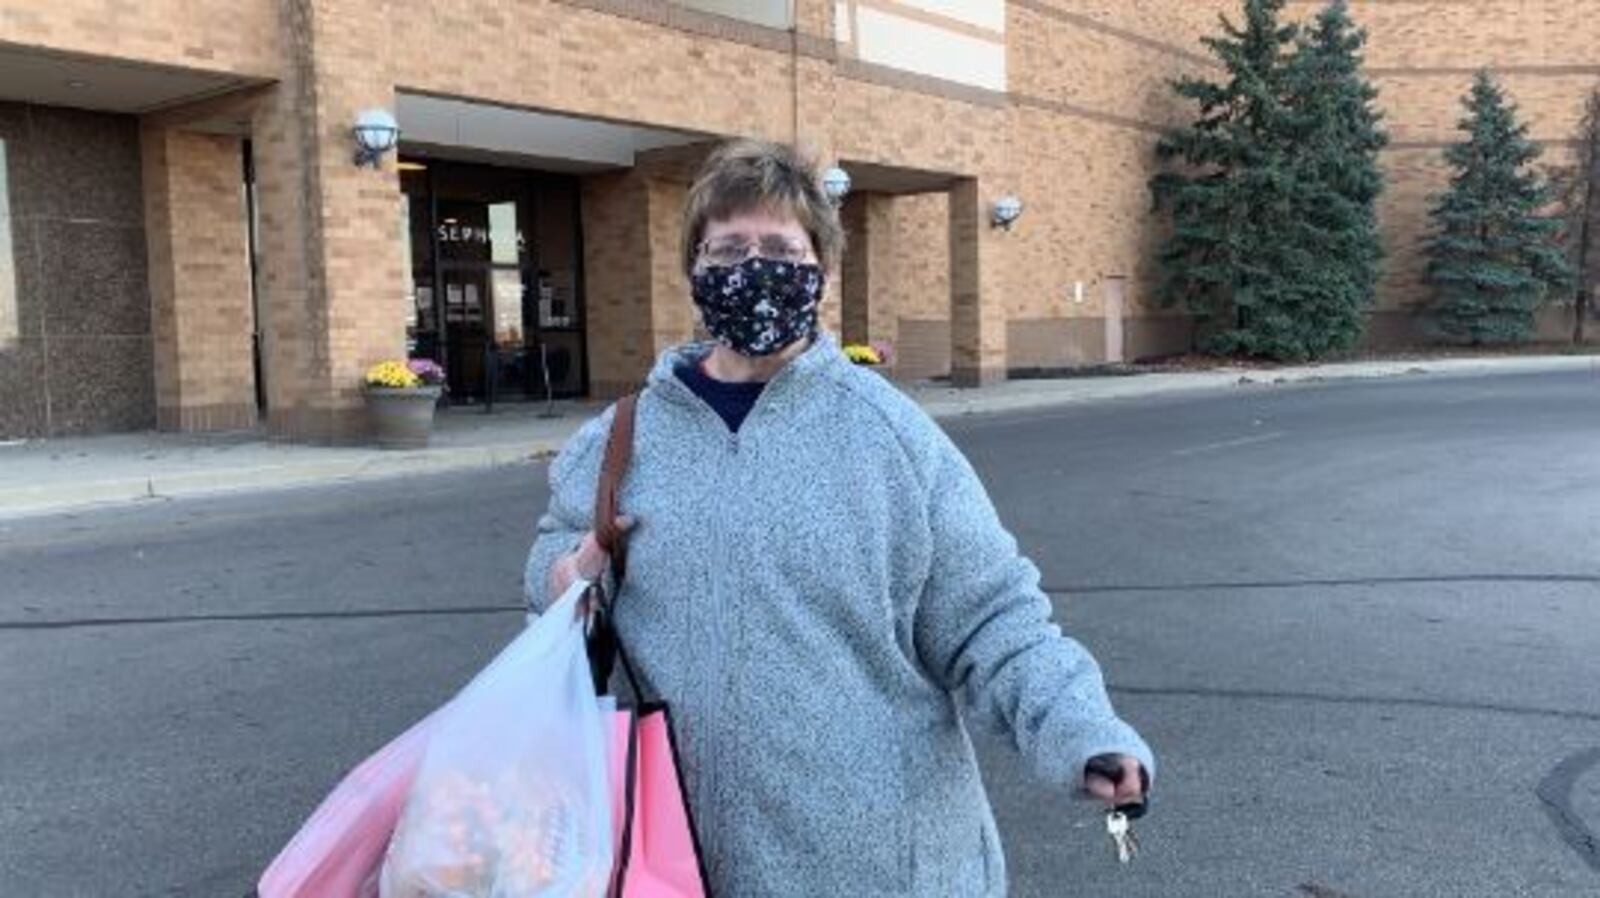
[513, 799]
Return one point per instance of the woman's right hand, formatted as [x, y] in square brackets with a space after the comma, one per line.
[589, 562]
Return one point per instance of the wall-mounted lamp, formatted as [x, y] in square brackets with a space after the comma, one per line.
[376, 133]
[1007, 210]
[836, 183]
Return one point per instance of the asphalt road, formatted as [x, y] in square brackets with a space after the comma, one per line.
[1360, 623]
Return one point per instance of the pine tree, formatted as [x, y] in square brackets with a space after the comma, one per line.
[1495, 257]
[1274, 247]
[1578, 199]
[1230, 198]
[1338, 136]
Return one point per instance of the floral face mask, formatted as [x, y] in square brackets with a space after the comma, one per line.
[759, 306]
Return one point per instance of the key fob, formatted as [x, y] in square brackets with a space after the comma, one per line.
[1109, 768]
[1133, 810]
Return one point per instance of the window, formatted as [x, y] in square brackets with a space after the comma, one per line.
[771, 13]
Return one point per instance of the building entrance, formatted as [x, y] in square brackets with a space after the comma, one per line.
[496, 274]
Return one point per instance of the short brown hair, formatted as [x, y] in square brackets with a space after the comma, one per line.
[749, 175]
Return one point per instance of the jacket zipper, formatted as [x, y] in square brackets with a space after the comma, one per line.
[732, 446]
[720, 559]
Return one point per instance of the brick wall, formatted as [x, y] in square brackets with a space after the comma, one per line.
[917, 288]
[365, 288]
[1072, 134]
[672, 316]
[1108, 64]
[617, 264]
[199, 280]
[628, 61]
[1096, 78]
[334, 290]
[1543, 52]
[981, 260]
[239, 36]
[1088, 86]
[1088, 98]
[329, 281]
[919, 260]
[866, 280]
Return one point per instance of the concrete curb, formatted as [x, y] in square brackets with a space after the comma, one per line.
[941, 403]
[375, 465]
[370, 466]
[952, 403]
[66, 496]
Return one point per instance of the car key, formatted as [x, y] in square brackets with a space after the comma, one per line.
[1119, 819]
[1122, 837]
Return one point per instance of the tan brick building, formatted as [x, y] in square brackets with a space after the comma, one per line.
[185, 241]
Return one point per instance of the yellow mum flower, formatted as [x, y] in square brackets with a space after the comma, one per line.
[392, 374]
[862, 355]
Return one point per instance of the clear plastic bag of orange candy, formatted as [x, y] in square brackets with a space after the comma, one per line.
[512, 799]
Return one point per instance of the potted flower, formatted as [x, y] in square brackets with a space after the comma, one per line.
[873, 355]
[885, 352]
[402, 397]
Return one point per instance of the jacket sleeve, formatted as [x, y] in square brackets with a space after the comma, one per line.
[984, 629]
[570, 515]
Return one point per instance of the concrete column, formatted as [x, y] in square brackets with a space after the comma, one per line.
[197, 238]
[811, 128]
[332, 282]
[977, 297]
[814, 17]
[865, 286]
[284, 279]
[853, 291]
[672, 313]
[617, 263]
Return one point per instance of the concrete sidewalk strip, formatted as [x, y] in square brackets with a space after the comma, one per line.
[54, 475]
[374, 465]
[200, 481]
[47, 497]
[1025, 395]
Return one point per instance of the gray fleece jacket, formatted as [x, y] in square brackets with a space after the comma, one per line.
[812, 595]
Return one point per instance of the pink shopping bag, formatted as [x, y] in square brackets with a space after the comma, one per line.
[657, 855]
[339, 849]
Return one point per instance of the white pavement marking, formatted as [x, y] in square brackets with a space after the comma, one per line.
[1229, 444]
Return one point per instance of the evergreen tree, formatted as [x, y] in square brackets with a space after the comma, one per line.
[1338, 136]
[1578, 199]
[1274, 246]
[1495, 257]
[1231, 195]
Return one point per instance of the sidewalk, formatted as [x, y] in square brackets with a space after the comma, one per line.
[51, 475]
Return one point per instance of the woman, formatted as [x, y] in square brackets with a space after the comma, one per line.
[815, 574]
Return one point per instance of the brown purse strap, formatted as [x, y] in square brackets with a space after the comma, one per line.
[619, 454]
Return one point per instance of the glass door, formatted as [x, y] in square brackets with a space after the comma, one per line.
[482, 216]
[557, 288]
[465, 303]
[497, 279]
[424, 330]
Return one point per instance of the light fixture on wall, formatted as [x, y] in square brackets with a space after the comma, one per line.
[836, 183]
[1007, 210]
[376, 133]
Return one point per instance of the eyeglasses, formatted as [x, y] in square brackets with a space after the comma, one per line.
[732, 250]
